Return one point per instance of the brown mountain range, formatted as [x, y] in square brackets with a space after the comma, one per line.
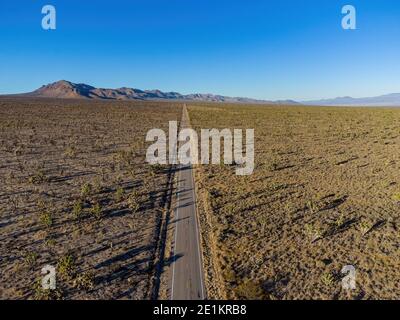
[68, 90]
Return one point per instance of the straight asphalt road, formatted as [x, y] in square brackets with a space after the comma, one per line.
[187, 282]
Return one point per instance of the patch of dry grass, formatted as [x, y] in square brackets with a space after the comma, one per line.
[74, 183]
[322, 196]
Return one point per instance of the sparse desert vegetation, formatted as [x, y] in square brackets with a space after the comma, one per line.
[76, 193]
[324, 194]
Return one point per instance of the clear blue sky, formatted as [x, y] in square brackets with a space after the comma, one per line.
[262, 49]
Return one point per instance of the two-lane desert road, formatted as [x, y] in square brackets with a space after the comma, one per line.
[187, 269]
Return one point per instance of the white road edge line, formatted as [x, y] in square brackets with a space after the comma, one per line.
[198, 237]
[175, 243]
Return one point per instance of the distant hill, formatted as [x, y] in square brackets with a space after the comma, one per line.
[69, 90]
[388, 100]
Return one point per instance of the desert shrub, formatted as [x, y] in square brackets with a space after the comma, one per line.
[45, 216]
[125, 157]
[396, 197]
[66, 266]
[327, 279]
[85, 280]
[156, 168]
[77, 209]
[96, 210]
[313, 232]
[273, 166]
[70, 152]
[250, 290]
[365, 227]
[30, 259]
[18, 151]
[86, 190]
[119, 194]
[133, 202]
[339, 222]
[38, 178]
[312, 206]
[97, 188]
[50, 242]
[215, 193]
[46, 219]
[39, 293]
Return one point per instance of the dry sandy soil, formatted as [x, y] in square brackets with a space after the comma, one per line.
[76, 193]
[325, 193]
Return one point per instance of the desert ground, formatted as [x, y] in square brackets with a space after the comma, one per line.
[76, 194]
[325, 193]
